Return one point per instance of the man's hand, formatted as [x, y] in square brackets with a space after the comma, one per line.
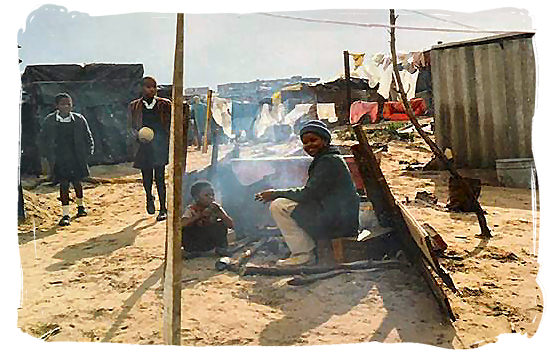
[265, 196]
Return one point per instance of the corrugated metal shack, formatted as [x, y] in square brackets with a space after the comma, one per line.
[101, 92]
[484, 98]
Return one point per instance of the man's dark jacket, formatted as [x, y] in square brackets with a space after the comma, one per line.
[328, 205]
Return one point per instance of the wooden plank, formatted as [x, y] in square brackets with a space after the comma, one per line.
[441, 298]
[250, 269]
[418, 234]
[338, 250]
[375, 183]
[207, 122]
[171, 328]
[384, 203]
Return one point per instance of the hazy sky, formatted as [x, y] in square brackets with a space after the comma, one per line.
[222, 48]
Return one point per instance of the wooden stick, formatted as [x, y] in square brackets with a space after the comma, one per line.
[50, 333]
[485, 232]
[215, 152]
[178, 149]
[348, 88]
[306, 279]
[297, 270]
[235, 263]
[207, 122]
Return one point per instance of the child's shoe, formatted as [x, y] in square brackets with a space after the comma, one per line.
[65, 221]
[162, 215]
[81, 211]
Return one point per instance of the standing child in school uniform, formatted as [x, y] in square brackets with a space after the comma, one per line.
[68, 144]
[151, 156]
[205, 222]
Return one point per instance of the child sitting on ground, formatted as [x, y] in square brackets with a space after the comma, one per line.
[205, 223]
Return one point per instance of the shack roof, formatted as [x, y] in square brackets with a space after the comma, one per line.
[485, 40]
[73, 72]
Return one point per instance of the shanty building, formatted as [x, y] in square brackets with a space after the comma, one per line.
[258, 90]
[484, 98]
[101, 92]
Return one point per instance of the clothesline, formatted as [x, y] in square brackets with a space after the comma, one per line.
[377, 25]
[441, 19]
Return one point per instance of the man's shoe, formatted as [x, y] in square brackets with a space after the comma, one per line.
[162, 215]
[151, 205]
[298, 259]
[81, 211]
[65, 221]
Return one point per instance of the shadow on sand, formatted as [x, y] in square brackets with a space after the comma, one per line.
[26, 237]
[97, 246]
[308, 307]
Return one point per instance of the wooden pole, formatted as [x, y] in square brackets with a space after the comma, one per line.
[207, 122]
[171, 328]
[348, 89]
[215, 152]
[485, 232]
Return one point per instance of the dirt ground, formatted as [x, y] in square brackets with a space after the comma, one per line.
[100, 279]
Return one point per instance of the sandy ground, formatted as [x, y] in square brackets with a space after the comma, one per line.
[101, 278]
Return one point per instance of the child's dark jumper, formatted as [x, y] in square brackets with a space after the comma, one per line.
[67, 144]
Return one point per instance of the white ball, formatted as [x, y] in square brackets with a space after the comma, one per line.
[146, 134]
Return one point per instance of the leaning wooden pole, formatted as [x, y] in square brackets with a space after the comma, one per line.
[485, 231]
[345, 119]
[207, 122]
[171, 327]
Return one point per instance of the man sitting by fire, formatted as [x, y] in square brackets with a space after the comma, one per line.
[326, 207]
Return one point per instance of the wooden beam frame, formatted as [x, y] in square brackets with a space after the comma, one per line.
[171, 328]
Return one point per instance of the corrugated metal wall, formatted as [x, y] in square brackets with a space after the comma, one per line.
[484, 99]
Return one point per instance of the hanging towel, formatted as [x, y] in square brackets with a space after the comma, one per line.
[395, 110]
[326, 111]
[298, 111]
[221, 113]
[360, 108]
